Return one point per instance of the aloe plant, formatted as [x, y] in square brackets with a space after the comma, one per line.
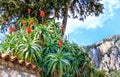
[58, 61]
[44, 45]
[28, 48]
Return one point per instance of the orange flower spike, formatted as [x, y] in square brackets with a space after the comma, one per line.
[31, 22]
[28, 30]
[24, 23]
[29, 10]
[60, 43]
[61, 27]
[11, 29]
[42, 14]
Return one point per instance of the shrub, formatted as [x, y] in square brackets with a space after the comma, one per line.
[43, 45]
[115, 73]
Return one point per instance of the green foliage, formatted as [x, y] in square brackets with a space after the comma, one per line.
[114, 73]
[39, 44]
[36, 38]
[17, 9]
[100, 73]
[58, 61]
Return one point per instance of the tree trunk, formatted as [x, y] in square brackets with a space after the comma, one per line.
[64, 22]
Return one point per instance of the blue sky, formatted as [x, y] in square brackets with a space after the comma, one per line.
[94, 29]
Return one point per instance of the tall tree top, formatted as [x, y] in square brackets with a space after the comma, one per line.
[13, 10]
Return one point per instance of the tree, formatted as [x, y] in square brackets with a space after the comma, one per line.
[43, 45]
[39, 39]
[13, 10]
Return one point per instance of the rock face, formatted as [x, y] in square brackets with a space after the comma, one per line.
[106, 53]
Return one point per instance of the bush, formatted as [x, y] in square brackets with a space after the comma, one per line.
[115, 73]
[43, 45]
[100, 73]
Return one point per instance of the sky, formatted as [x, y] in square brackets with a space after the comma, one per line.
[94, 29]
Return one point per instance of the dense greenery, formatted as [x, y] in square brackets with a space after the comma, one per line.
[16, 9]
[100, 73]
[43, 45]
[35, 37]
[114, 73]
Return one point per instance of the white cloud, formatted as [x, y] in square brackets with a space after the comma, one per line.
[2, 37]
[94, 22]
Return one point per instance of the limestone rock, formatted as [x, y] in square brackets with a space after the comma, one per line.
[106, 53]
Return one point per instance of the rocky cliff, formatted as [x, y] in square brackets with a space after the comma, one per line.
[106, 53]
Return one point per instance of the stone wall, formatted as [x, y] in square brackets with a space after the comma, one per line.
[9, 69]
